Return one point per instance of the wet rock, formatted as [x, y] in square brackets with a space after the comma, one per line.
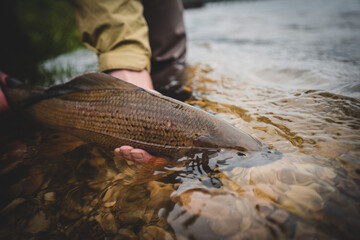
[154, 232]
[71, 214]
[109, 204]
[16, 190]
[241, 176]
[280, 188]
[224, 213]
[11, 206]
[303, 178]
[253, 234]
[263, 174]
[287, 175]
[87, 209]
[295, 176]
[326, 172]
[266, 192]
[279, 216]
[49, 197]
[159, 194]
[39, 223]
[125, 234]
[59, 143]
[34, 181]
[264, 208]
[348, 186]
[230, 183]
[322, 188]
[225, 227]
[302, 199]
[131, 217]
[306, 231]
[148, 215]
[239, 171]
[329, 149]
[16, 152]
[111, 196]
[107, 222]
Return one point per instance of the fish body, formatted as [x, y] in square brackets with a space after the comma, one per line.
[107, 111]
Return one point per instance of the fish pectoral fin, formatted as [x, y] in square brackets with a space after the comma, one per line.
[158, 161]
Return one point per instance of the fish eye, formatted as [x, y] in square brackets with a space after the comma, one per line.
[240, 154]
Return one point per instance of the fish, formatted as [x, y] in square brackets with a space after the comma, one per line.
[101, 109]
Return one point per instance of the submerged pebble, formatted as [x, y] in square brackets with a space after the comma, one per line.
[49, 196]
[39, 223]
[154, 232]
[302, 200]
[125, 233]
[107, 222]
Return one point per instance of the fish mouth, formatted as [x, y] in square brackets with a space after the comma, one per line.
[211, 142]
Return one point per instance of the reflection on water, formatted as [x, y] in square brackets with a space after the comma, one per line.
[286, 73]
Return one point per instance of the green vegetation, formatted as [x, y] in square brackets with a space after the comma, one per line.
[36, 30]
[50, 26]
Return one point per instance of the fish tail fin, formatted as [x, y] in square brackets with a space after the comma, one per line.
[16, 92]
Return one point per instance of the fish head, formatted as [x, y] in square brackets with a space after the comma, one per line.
[224, 135]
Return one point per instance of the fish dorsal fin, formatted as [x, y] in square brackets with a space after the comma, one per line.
[84, 82]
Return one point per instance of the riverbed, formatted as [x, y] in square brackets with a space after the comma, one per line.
[285, 72]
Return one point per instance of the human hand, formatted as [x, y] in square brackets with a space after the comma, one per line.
[139, 156]
[133, 154]
[139, 78]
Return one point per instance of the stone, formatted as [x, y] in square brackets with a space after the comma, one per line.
[39, 223]
[125, 234]
[325, 172]
[264, 208]
[304, 231]
[224, 212]
[287, 175]
[153, 232]
[159, 193]
[302, 199]
[11, 206]
[49, 196]
[109, 204]
[264, 174]
[264, 191]
[131, 217]
[279, 216]
[107, 222]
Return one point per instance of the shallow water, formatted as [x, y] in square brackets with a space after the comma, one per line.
[286, 72]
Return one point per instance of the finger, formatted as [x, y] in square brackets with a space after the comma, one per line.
[140, 156]
[123, 152]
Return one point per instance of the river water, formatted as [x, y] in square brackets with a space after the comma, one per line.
[285, 72]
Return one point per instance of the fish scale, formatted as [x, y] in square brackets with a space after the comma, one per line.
[109, 112]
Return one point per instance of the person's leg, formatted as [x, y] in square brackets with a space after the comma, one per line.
[168, 46]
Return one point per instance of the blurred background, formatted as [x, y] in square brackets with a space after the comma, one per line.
[319, 40]
[36, 30]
